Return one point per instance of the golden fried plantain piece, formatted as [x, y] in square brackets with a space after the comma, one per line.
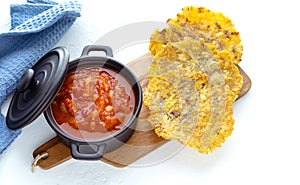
[216, 29]
[199, 51]
[212, 107]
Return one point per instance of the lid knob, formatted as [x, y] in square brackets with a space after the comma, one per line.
[26, 81]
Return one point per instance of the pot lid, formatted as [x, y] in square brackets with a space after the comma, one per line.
[37, 88]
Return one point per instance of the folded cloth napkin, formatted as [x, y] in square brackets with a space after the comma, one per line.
[36, 27]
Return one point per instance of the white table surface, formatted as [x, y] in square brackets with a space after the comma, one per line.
[264, 146]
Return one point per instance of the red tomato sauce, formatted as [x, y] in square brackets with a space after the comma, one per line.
[93, 102]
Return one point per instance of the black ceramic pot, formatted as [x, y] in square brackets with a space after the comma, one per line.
[88, 149]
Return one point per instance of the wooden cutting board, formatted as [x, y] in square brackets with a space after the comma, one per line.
[142, 142]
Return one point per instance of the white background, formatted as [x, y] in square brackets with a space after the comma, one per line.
[264, 146]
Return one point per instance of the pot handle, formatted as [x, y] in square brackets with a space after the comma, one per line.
[108, 51]
[96, 154]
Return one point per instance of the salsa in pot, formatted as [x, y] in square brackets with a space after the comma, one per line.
[93, 102]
